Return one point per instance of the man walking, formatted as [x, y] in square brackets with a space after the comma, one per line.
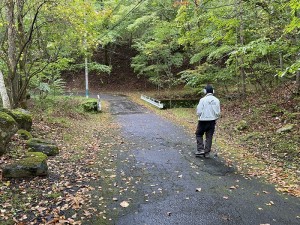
[208, 111]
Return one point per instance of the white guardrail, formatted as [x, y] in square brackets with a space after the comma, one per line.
[152, 101]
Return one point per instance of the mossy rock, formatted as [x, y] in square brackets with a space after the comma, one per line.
[8, 127]
[21, 116]
[242, 125]
[90, 105]
[38, 145]
[33, 164]
[26, 135]
[286, 128]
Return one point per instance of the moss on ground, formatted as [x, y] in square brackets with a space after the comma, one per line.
[24, 134]
[32, 159]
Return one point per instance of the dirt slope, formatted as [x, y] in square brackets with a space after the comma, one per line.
[122, 77]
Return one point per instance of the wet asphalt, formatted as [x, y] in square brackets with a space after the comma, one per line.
[168, 185]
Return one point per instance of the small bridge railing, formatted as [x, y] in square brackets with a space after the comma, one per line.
[152, 101]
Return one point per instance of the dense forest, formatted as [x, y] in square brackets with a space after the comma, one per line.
[243, 44]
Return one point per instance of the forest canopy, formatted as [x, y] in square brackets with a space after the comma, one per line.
[232, 43]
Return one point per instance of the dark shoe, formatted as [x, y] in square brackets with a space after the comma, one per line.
[200, 153]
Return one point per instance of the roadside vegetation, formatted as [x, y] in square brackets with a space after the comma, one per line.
[80, 180]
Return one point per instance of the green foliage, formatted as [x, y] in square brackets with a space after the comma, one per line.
[59, 107]
[55, 87]
[48, 36]
[159, 56]
[223, 40]
[295, 22]
[90, 105]
[96, 67]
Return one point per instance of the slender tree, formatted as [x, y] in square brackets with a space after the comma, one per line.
[3, 93]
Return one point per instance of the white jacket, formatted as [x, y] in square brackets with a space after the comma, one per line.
[208, 108]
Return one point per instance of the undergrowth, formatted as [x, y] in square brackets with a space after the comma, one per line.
[73, 192]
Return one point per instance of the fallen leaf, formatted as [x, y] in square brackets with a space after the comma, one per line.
[198, 189]
[124, 204]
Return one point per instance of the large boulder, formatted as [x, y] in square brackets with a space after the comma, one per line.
[21, 116]
[33, 164]
[39, 145]
[8, 127]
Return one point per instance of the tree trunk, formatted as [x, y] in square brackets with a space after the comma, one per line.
[298, 82]
[106, 55]
[11, 42]
[240, 71]
[3, 93]
[242, 43]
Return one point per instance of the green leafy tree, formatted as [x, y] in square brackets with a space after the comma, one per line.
[38, 35]
[159, 56]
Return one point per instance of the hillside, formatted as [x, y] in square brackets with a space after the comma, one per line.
[121, 78]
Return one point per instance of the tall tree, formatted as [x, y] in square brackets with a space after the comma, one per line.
[38, 33]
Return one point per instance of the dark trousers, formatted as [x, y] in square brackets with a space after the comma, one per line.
[207, 128]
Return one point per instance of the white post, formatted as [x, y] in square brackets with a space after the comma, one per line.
[86, 78]
[86, 62]
[99, 104]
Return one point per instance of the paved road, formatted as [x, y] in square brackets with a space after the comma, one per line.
[162, 176]
[158, 175]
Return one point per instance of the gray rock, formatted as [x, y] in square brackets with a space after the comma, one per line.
[8, 127]
[38, 145]
[286, 128]
[33, 164]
